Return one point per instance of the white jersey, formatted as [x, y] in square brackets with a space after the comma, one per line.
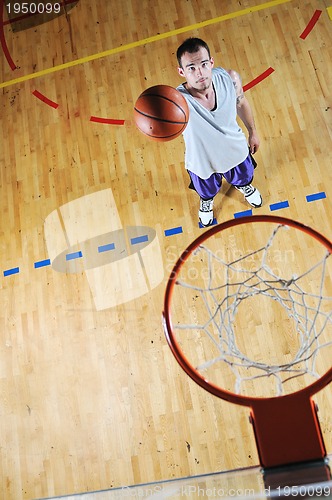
[213, 139]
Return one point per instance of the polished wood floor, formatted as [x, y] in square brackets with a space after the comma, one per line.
[90, 394]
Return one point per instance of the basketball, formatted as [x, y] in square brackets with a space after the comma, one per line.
[161, 113]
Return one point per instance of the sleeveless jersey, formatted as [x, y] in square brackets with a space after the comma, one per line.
[214, 142]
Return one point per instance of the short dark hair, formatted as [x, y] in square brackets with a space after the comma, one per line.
[191, 45]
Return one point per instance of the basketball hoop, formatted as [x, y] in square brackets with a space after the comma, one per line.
[249, 301]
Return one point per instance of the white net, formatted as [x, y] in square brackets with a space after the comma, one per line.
[255, 318]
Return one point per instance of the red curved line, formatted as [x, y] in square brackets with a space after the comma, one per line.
[311, 24]
[110, 121]
[258, 79]
[3, 40]
[45, 99]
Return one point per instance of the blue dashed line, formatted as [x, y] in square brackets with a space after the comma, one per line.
[316, 196]
[9, 272]
[42, 263]
[174, 230]
[214, 222]
[278, 206]
[74, 255]
[168, 232]
[139, 239]
[245, 213]
[106, 248]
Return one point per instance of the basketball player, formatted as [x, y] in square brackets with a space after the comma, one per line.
[216, 146]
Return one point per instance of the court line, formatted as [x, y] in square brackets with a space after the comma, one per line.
[45, 99]
[106, 248]
[279, 205]
[173, 230]
[329, 11]
[167, 232]
[311, 24]
[139, 239]
[245, 213]
[9, 272]
[144, 41]
[42, 263]
[258, 79]
[74, 255]
[110, 121]
[316, 196]
[213, 223]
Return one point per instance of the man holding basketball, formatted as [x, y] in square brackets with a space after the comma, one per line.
[216, 146]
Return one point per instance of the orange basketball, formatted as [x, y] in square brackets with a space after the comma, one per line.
[161, 113]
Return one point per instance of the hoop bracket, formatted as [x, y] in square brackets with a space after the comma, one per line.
[287, 430]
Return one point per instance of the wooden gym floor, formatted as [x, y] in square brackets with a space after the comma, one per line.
[90, 395]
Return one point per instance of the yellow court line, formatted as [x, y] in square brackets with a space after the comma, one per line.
[145, 41]
[329, 11]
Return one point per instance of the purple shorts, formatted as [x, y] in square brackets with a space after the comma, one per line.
[241, 175]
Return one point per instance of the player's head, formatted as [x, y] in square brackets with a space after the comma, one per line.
[191, 45]
[195, 63]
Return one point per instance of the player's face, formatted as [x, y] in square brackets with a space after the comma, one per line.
[197, 69]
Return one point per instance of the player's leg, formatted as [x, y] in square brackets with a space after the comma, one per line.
[207, 189]
[241, 178]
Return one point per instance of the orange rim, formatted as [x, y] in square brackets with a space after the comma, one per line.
[185, 364]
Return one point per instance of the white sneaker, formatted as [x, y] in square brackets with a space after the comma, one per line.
[251, 194]
[205, 213]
